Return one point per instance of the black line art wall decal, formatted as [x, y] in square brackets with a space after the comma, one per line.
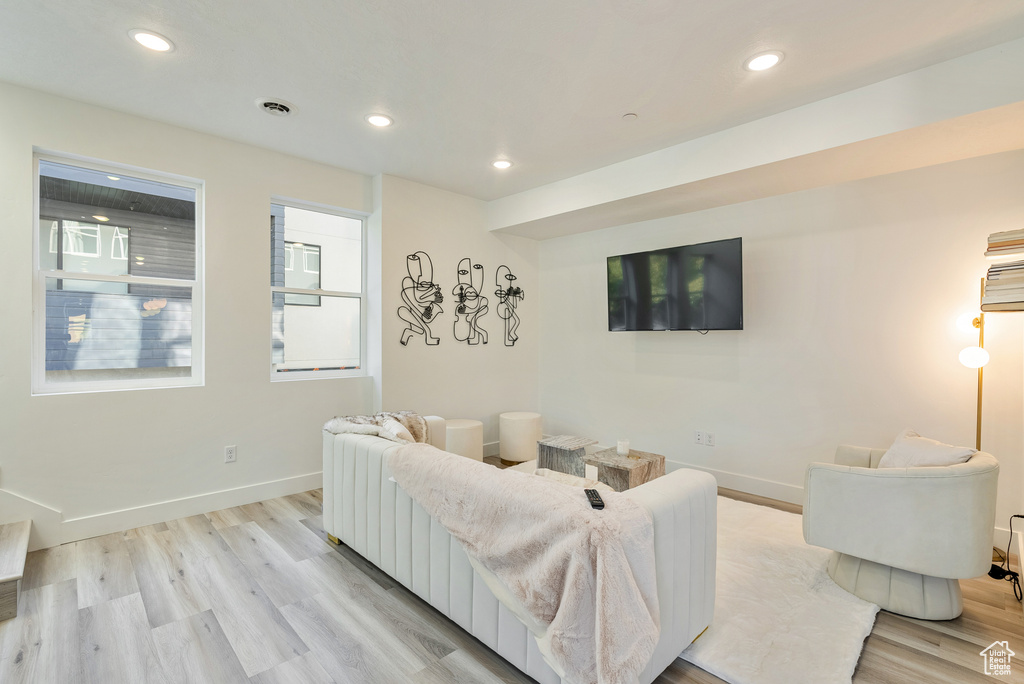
[470, 305]
[421, 298]
[509, 296]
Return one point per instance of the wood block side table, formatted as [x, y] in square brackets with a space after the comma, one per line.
[564, 453]
[623, 472]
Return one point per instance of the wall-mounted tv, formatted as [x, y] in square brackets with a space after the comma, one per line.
[694, 287]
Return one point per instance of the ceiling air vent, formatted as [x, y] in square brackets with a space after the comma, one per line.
[275, 107]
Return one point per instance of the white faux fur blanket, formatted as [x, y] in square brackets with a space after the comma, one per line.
[582, 580]
[342, 426]
[377, 425]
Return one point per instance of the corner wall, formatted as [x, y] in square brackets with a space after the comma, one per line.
[113, 460]
[851, 294]
[454, 379]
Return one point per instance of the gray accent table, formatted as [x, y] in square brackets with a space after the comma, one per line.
[564, 453]
[623, 472]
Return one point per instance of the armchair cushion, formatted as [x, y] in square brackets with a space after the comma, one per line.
[911, 450]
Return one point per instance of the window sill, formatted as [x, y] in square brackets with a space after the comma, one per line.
[292, 376]
[93, 388]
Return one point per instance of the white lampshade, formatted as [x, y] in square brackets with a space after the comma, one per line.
[973, 357]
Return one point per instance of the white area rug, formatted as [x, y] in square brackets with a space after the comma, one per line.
[779, 618]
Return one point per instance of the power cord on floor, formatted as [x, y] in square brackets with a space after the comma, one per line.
[1003, 571]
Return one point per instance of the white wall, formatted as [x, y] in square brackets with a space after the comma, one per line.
[454, 379]
[851, 294]
[93, 454]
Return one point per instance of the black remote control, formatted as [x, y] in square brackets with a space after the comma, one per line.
[596, 502]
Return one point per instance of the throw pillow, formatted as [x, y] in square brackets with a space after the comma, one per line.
[911, 450]
[397, 429]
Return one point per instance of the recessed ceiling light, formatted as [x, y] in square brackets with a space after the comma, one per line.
[113, 178]
[501, 164]
[379, 120]
[630, 116]
[153, 41]
[101, 218]
[275, 106]
[764, 60]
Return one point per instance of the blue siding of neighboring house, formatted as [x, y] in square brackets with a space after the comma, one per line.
[114, 333]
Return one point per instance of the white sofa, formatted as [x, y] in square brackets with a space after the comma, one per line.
[370, 513]
[901, 537]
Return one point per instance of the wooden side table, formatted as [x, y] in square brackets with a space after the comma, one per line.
[564, 453]
[623, 472]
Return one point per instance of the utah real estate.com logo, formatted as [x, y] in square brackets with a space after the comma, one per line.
[997, 658]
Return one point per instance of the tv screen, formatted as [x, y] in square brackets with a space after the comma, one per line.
[694, 287]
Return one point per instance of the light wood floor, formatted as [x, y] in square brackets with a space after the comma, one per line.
[256, 594]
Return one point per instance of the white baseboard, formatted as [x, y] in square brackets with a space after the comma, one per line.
[74, 529]
[492, 448]
[1001, 540]
[746, 483]
[1020, 552]
[46, 521]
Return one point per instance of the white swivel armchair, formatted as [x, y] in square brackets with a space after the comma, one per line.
[902, 537]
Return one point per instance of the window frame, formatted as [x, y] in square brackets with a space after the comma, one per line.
[362, 217]
[197, 378]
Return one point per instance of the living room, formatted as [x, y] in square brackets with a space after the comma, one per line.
[864, 226]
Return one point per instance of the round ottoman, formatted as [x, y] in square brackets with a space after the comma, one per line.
[519, 433]
[465, 438]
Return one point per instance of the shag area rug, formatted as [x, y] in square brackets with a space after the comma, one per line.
[779, 618]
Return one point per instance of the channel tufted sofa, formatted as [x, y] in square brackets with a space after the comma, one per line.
[366, 510]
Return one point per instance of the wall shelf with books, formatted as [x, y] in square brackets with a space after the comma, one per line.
[1004, 285]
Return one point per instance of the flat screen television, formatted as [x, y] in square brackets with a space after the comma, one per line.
[694, 287]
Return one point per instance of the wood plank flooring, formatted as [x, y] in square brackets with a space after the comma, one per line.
[256, 594]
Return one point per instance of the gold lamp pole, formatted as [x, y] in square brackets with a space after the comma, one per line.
[980, 323]
[977, 357]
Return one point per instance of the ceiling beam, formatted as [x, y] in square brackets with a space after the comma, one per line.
[958, 109]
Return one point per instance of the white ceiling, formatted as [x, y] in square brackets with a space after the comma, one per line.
[543, 82]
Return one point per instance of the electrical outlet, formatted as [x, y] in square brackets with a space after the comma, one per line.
[230, 454]
[709, 439]
[698, 437]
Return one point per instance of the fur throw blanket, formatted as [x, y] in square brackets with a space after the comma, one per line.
[581, 580]
[380, 425]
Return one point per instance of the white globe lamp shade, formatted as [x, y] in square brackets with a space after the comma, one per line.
[973, 357]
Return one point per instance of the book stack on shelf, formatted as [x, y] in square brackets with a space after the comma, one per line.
[1003, 244]
[1004, 286]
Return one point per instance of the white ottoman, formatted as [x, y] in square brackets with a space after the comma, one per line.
[519, 433]
[465, 438]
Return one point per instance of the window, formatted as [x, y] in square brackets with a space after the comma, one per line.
[118, 294]
[306, 277]
[317, 291]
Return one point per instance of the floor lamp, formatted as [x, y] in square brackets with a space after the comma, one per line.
[977, 357]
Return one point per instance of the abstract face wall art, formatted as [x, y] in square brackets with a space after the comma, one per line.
[470, 305]
[421, 299]
[509, 295]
